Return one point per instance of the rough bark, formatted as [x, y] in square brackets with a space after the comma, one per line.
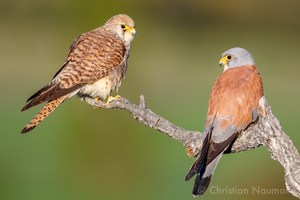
[267, 131]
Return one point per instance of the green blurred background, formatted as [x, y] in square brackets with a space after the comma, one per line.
[82, 153]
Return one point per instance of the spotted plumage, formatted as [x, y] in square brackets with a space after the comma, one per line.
[95, 66]
[232, 107]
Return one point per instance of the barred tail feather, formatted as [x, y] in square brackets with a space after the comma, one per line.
[47, 110]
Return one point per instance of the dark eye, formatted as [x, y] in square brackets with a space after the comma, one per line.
[229, 57]
[123, 26]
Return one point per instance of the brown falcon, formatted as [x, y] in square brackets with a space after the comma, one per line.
[95, 66]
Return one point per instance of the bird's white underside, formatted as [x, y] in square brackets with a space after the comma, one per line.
[100, 88]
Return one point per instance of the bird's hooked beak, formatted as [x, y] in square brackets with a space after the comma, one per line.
[131, 31]
[223, 61]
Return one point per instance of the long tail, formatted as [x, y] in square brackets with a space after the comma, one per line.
[47, 109]
[202, 180]
[203, 167]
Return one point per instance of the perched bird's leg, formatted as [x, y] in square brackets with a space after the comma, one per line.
[97, 99]
[111, 98]
[190, 151]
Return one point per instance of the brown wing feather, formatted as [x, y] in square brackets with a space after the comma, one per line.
[234, 96]
[51, 94]
[93, 55]
[48, 86]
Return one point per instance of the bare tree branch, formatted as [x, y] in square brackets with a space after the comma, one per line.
[266, 131]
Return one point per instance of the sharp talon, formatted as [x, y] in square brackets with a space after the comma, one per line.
[111, 99]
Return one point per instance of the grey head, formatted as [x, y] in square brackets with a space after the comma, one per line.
[236, 57]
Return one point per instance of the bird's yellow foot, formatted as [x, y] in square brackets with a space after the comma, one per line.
[189, 150]
[111, 98]
[97, 99]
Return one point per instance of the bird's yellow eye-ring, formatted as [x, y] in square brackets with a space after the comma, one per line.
[229, 57]
[124, 27]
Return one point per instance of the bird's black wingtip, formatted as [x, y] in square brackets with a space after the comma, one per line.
[201, 185]
[190, 174]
